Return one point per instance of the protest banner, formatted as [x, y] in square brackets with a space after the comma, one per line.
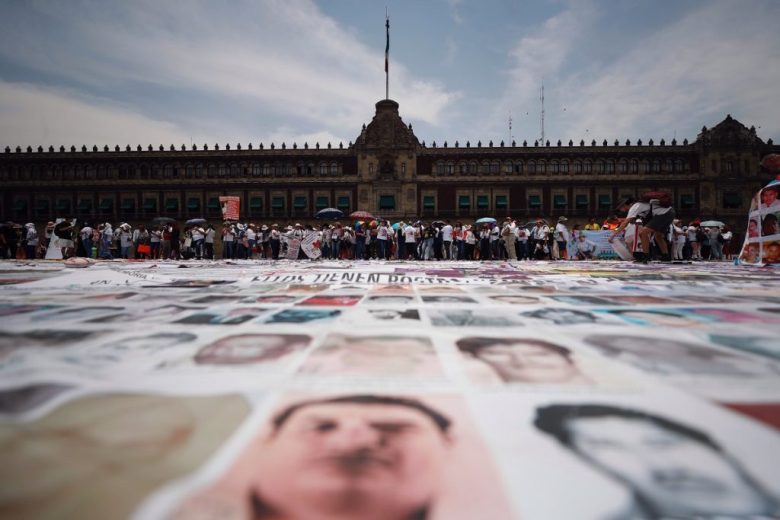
[231, 207]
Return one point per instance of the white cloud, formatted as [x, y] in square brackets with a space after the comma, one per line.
[30, 115]
[285, 59]
[541, 54]
[716, 59]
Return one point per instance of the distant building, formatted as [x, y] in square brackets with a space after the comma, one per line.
[388, 172]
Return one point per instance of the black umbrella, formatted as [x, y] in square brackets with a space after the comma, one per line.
[329, 214]
[161, 221]
[8, 224]
[196, 222]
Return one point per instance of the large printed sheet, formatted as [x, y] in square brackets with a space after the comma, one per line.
[398, 390]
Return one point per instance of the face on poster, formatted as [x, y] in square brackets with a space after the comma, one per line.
[377, 356]
[518, 360]
[562, 316]
[302, 315]
[671, 469]
[666, 356]
[360, 456]
[473, 318]
[251, 349]
[112, 464]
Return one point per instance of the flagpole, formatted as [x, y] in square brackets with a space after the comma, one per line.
[387, 57]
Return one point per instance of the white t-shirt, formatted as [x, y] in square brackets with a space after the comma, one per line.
[409, 234]
[446, 233]
[561, 232]
[638, 208]
[381, 233]
[692, 234]
[125, 239]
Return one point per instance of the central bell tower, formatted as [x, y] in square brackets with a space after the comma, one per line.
[387, 159]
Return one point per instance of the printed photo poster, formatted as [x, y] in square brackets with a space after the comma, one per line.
[313, 457]
[762, 240]
[98, 462]
[311, 246]
[293, 248]
[231, 207]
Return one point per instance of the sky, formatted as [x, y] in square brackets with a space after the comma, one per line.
[111, 72]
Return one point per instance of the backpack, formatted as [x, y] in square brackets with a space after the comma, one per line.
[663, 197]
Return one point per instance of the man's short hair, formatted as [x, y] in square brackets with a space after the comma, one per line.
[474, 345]
[441, 421]
[553, 420]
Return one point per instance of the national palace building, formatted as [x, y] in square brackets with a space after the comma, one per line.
[386, 171]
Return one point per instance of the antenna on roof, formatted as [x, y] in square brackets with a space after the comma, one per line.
[510, 126]
[541, 98]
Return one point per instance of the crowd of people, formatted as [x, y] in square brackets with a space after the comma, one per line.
[376, 239]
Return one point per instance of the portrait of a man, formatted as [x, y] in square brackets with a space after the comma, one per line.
[524, 360]
[672, 470]
[355, 457]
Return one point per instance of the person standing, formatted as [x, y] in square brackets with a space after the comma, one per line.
[446, 238]
[382, 242]
[484, 243]
[198, 236]
[562, 237]
[360, 242]
[521, 243]
[31, 239]
[208, 242]
[539, 235]
[275, 238]
[228, 238]
[678, 239]
[410, 240]
[470, 241]
[125, 240]
[86, 239]
[508, 234]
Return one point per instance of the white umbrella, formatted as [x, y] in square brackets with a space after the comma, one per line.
[712, 223]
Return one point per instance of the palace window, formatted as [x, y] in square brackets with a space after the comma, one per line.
[554, 167]
[610, 167]
[687, 201]
[464, 202]
[587, 167]
[560, 202]
[634, 166]
[429, 202]
[732, 200]
[581, 201]
[656, 166]
[387, 202]
[532, 167]
[564, 167]
[501, 202]
[577, 167]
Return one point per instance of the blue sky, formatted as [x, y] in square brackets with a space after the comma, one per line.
[168, 71]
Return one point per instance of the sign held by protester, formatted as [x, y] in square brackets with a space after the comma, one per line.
[311, 246]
